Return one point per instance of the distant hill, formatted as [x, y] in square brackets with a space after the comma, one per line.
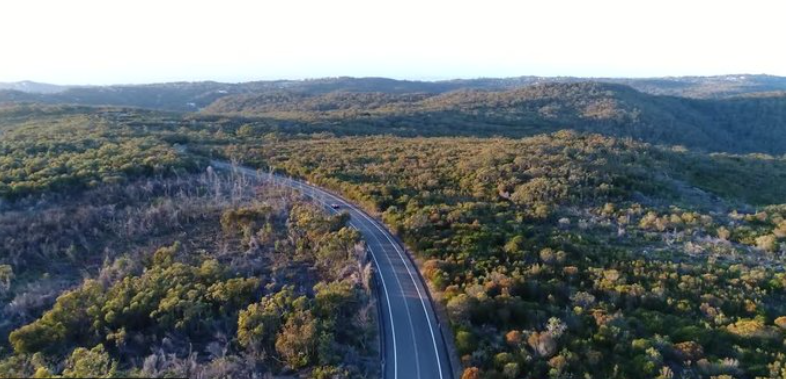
[685, 86]
[737, 124]
[32, 87]
[737, 113]
[707, 86]
[192, 96]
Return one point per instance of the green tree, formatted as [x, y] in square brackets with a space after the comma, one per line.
[93, 363]
[297, 341]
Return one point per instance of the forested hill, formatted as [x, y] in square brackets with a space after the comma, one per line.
[189, 96]
[32, 87]
[739, 114]
[739, 124]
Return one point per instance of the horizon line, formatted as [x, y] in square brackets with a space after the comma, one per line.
[400, 79]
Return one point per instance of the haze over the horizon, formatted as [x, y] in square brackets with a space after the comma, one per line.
[143, 41]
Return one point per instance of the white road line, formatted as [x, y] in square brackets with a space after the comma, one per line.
[384, 285]
[390, 315]
[414, 282]
[382, 279]
[373, 256]
[403, 295]
[409, 271]
[381, 276]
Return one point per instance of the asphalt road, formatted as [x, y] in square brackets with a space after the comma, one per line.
[414, 346]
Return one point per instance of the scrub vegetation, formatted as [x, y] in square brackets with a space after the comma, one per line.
[569, 230]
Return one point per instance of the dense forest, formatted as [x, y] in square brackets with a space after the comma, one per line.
[740, 114]
[574, 255]
[742, 124]
[554, 253]
[64, 149]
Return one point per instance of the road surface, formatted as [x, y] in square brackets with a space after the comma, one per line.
[413, 344]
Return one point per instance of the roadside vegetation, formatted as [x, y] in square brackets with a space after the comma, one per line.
[197, 275]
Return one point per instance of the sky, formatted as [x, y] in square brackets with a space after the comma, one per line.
[144, 41]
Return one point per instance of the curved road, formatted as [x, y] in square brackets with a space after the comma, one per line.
[413, 344]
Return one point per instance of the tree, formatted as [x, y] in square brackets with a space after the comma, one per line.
[514, 245]
[513, 338]
[511, 370]
[93, 363]
[296, 343]
[6, 276]
[330, 372]
[233, 293]
[258, 325]
[165, 256]
[335, 252]
[465, 342]
[767, 243]
[246, 130]
[336, 300]
[460, 308]
[37, 337]
[543, 343]
[471, 373]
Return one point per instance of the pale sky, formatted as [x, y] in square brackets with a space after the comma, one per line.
[139, 41]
